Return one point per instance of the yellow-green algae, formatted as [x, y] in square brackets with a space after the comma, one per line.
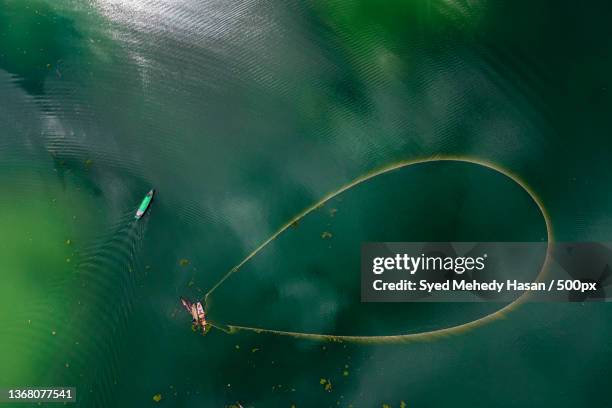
[40, 219]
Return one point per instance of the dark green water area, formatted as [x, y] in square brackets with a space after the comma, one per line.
[243, 113]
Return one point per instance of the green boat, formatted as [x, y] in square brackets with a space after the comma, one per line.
[144, 205]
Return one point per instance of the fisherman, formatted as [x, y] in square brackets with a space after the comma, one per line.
[198, 316]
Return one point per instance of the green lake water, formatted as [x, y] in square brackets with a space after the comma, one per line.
[241, 114]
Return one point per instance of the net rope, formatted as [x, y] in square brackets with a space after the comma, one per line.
[400, 338]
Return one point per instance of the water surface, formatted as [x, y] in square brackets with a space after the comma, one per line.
[241, 114]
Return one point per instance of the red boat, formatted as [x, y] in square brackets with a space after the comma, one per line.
[198, 316]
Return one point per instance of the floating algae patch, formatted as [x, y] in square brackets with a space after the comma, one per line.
[42, 222]
[298, 283]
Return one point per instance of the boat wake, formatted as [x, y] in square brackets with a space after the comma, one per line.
[108, 272]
